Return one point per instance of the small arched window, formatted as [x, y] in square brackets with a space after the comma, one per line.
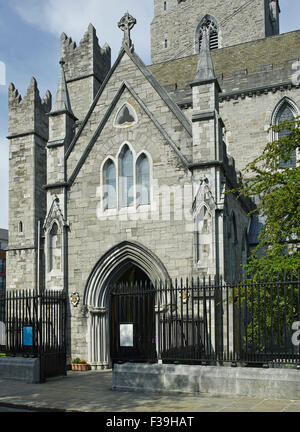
[213, 31]
[126, 177]
[109, 182]
[20, 227]
[143, 180]
[285, 113]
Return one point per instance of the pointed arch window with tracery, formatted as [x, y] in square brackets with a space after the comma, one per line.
[126, 180]
[285, 113]
[211, 25]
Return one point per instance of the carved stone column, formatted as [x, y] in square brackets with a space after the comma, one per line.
[98, 343]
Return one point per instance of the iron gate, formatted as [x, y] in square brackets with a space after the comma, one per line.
[132, 323]
[35, 326]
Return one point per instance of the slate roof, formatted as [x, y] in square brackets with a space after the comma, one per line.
[260, 56]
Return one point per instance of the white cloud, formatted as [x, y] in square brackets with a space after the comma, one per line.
[73, 18]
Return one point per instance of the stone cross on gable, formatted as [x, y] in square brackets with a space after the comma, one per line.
[126, 24]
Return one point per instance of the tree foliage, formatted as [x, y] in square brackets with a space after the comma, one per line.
[278, 190]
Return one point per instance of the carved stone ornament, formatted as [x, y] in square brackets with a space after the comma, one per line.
[75, 298]
[126, 24]
[184, 294]
[55, 213]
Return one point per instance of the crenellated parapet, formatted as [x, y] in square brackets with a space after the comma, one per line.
[97, 59]
[86, 67]
[29, 114]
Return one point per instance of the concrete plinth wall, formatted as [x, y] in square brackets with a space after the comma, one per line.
[214, 380]
[21, 369]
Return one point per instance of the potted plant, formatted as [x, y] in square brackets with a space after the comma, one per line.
[79, 365]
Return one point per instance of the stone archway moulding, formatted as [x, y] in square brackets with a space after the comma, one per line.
[97, 293]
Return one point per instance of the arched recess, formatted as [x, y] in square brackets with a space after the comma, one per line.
[244, 257]
[204, 239]
[54, 228]
[232, 239]
[96, 298]
[54, 248]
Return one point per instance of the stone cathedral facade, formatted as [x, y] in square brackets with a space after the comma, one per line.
[124, 176]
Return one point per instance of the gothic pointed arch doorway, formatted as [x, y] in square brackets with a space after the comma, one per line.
[126, 264]
[132, 317]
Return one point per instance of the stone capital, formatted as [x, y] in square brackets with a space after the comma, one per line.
[97, 310]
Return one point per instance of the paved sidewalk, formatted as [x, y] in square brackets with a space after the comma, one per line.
[91, 392]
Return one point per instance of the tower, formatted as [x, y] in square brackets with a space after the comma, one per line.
[86, 66]
[28, 136]
[176, 30]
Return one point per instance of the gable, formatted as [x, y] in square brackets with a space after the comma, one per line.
[144, 136]
[148, 94]
[87, 189]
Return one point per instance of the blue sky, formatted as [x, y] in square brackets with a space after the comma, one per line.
[30, 46]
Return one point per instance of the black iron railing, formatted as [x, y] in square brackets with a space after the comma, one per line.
[34, 325]
[208, 321]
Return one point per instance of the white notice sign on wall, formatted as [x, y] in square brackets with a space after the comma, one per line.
[126, 335]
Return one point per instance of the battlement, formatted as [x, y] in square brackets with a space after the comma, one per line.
[86, 58]
[28, 114]
[86, 67]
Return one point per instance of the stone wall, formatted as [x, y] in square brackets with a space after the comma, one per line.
[178, 25]
[213, 380]
[248, 119]
[253, 77]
